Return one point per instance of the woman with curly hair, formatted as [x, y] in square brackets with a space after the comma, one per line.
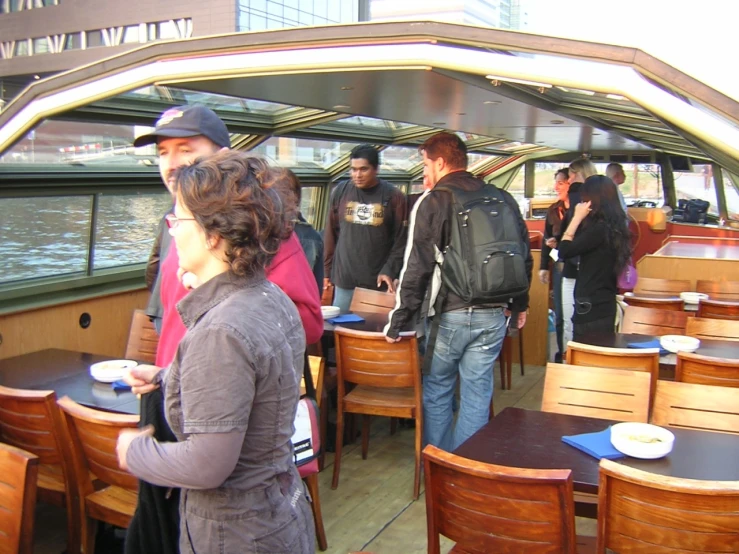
[598, 234]
[231, 392]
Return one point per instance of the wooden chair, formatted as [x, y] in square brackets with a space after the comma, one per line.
[327, 296]
[388, 383]
[696, 407]
[648, 286]
[31, 420]
[317, 368]
[639, 511]
[491, 508]
[372, 301]
[142, 339]
[719, 290]
[599, 392]
[93, 436]
[645, 321]
[505, 358]
[675, 304]
[18, 477]
[718, 309]
[715, 329]
[705, 370]
[638, 359]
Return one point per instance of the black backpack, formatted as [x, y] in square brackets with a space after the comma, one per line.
[485, 260]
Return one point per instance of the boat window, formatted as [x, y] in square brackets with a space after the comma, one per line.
[731, 190]
[126, 227]
[697, 184]
[44, 236]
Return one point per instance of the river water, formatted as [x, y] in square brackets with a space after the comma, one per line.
[49, 236]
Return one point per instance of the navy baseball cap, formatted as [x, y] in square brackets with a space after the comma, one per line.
[188, 121]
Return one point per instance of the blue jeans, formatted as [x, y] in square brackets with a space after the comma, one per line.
[343, 299]
[467, 346]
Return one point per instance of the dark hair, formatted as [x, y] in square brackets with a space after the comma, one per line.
[605, 206]
[563, 171]
[447, 146]
[366, 152]
[293, 184]
[244, 201]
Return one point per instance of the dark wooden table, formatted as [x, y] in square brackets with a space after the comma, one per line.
[531, 439]
[68, 374]
[692, 250]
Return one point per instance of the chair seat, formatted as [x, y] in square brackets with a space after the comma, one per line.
[114, 505]
[381, 401]
[51, 478]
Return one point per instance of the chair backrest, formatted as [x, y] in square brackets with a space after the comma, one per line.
[327, 296]
[142, 339]
[716, 329]
[372, 301]
[30, 419]
[639, 511]
[718, 309]
[94, 435]
[646, 321]
[18, 475]
[491, 508]
[652, 286]
[700, 407]
[705, 370]
[368, 359]
[719, 290]
[317, 368]
[605, 393]
[675, 304]
[638, 359]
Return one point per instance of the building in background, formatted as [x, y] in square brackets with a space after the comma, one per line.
[43, 37]
[502, 14]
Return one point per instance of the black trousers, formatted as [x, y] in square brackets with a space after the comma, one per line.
[603, 325]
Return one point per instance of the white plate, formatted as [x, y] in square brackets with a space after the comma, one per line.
[693, 297]
[679, 343]
[111, 370]
[633, 439]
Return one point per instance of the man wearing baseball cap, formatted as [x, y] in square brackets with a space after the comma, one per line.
[183, 134]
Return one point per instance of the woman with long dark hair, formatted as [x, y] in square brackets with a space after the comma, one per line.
[598, 234]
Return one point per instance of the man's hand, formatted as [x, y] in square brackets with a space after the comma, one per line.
[125, 437]
[141, 377]
[388, 281]
[326, 283]
[551, 242]
[544, 276]
[188, 279]
[521, 319]
[392, 340]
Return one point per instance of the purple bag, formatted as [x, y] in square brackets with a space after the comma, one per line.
[627, 279]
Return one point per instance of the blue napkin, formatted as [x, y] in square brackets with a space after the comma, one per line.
[346, 318]
[598, 445]
[654, 343]
[120, 386]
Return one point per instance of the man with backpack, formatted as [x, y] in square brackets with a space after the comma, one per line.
[365, 231]
[469, 247]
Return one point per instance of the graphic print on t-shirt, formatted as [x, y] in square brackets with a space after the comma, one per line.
[364, 214]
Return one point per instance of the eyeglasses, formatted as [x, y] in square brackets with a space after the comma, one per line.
[173, 221]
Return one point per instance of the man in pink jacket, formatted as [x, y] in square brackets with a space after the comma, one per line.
[183, 134]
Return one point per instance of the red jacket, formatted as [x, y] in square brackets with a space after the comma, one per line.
[289, 270]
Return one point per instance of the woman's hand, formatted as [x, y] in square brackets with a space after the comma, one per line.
[125, 438]
[141, 378]
[582, 210]
[544, 276]
[551, 242]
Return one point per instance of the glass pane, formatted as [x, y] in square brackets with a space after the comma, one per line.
[131, 34]
[127, 226]
[73, 41]
[40, 46]
[292, 152]
[44, 236]
[274, 9]
[697, 184]
[309, 204]
[168, 29]
[94, 38]
[732, 197]
[21, 48]
[399, 158]
[80, 144]
[516, 188]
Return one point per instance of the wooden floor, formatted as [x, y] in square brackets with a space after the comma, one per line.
[373, 508]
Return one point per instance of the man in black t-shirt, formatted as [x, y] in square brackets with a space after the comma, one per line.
[365, 233]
